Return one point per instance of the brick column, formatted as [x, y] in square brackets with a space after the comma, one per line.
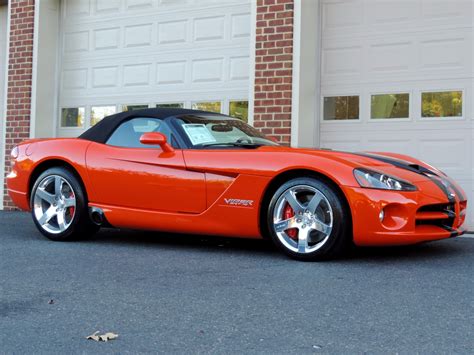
[19, 77]
[273, 68]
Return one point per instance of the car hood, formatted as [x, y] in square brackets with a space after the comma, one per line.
[397, 165]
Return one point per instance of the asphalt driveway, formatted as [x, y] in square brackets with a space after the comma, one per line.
[188, 294]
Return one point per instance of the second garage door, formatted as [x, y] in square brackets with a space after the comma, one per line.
[397, 76]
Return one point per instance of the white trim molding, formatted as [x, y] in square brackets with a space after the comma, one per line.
[252, 49]
[4, 113]
[295, 102]
[306, 85]
[34, 70]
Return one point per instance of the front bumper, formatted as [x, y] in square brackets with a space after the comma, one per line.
[408, 217]
[17, 187]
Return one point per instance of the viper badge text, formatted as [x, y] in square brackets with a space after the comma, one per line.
[238, 202]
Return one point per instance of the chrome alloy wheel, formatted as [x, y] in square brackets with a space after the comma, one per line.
[303, 219]
[54, 204]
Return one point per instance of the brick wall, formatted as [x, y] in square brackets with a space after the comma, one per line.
[273, 68]
[19, 77]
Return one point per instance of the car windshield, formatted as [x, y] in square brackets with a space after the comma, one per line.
[204, 131]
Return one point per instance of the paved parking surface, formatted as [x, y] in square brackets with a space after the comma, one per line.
[181, 294]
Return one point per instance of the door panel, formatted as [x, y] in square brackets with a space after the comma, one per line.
[144, 179]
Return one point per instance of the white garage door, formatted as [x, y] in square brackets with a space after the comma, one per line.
[127, 54]
[3, 58]
[398, 76]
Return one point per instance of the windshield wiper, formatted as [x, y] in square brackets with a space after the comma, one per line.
[233, 144]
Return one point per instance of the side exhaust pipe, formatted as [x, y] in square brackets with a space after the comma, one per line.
[96, 215]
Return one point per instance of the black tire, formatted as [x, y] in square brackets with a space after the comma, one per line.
[335, 242]
[79, 225]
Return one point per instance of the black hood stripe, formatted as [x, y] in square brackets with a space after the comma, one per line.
[458, 192]
[440, 183]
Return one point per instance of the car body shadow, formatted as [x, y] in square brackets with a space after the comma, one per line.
[262, 247]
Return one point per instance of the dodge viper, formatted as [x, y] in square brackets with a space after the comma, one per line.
[187, 171]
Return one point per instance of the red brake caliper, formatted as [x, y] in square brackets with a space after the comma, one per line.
[71, 209]
[288, 213]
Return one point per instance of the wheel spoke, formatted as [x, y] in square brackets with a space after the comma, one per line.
[46, 217]
[44, 195]
[58, 184]
[302, 240]
[322, 227]
[284, 225]
[61, 221]
[70, 202]
[291, 199]
[314, 203]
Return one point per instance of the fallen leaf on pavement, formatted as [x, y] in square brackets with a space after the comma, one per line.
[108, 336]
[94, 336]
[103, 337]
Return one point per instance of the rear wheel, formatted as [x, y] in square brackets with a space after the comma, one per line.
[59, 206]
[307, 219]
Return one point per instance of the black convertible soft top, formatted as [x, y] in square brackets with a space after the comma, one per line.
[102, 130]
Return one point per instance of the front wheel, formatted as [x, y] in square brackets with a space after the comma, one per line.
[308, 220]
[59, 206]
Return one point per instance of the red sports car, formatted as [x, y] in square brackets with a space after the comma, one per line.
[187, 171]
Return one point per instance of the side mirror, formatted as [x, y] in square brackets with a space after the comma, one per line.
[156, 138]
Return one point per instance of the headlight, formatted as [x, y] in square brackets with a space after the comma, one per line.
[375, 180]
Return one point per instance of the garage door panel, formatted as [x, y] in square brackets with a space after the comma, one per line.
[448, 154]
[75, 42]
[74, 79]
[342, 15]
[342, 144]
[389, 57]
[335, 61]
[138, 35]
[138, 4]
[388, 144]
[452, 10]
[136, 75]
[107, 5]
[172, 32]
[445, 52]
[392, 12]
[77, 9]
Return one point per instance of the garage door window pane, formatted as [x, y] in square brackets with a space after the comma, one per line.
[214, 106]
[72, 117]
[239, 109]
[133, 107]
[441, 104]
[99, 112]
[170, 105]
[341, 108]
[390, 106]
